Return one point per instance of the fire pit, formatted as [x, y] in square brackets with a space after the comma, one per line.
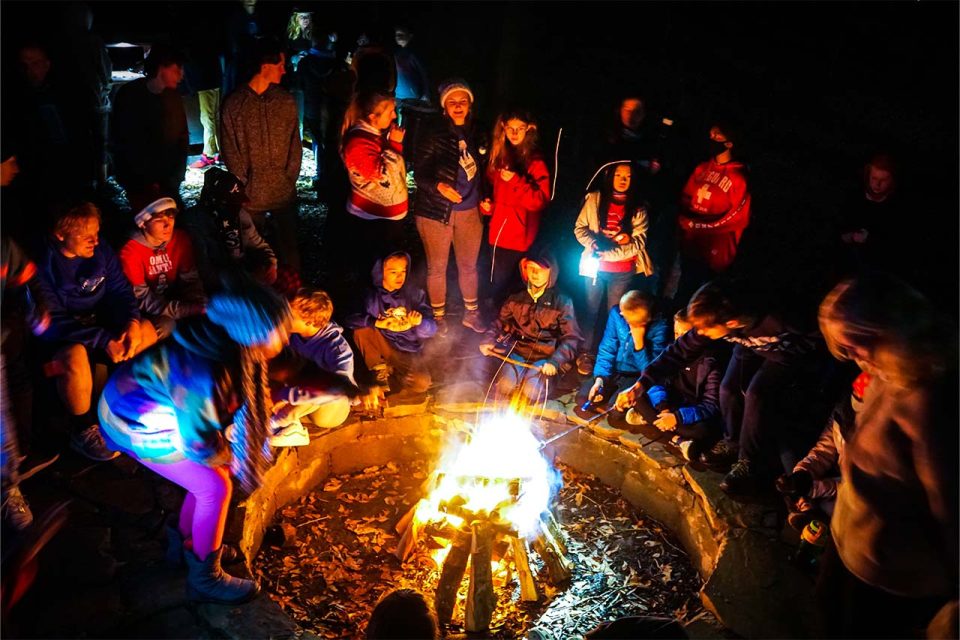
[475, 529]
[339, 507]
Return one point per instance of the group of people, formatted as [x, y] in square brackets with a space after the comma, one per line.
[192, 348]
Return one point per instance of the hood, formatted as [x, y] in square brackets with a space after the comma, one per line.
[542, 257]
[141, 239]
[377, 271]
[201, 336]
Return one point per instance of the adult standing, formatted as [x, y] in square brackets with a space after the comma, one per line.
[448, 172]
[260, 142]
[715, 210]
[243, 28]
[150, 136]
[895, 520]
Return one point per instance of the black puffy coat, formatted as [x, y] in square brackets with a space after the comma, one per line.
[438, 159]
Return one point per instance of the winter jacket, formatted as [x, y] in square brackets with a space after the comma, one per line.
[895, 521]
[518, 205]
[164, 278]
[221, 239]
[768, 338]
[696, 382]
[438, 160]
[715, 210]
[18, 278]
[378, 301]
[162, 405]
[378, 175]
[79, 288]
[260, 142]
[617, 354]
[543, 329]
[328, 350]
[150, 137]
[587, 230]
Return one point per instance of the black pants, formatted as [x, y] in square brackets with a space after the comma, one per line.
[503, 276]
[705, 432]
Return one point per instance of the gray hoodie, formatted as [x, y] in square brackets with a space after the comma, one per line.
[260, 143]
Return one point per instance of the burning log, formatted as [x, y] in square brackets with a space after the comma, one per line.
[547, 519]
[481, 599]
[452, 574]
[528, 587]
[558, 566]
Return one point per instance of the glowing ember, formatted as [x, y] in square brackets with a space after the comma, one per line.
[499, 474]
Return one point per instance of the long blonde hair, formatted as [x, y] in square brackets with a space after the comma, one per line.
[908, 341]
[362, 106]
[294, 31]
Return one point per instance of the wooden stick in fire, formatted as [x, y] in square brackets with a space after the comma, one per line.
[514, 361]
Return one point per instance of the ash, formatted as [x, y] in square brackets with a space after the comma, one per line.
[331, 559]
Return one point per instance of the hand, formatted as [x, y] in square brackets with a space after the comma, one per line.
[486, 206]
[627, 398]
[392, 323]
[449, 193]
[487, 348]
[507, 175]
[666, 421]
[621, 238]
[371, 399]
[610, 233]
[132, 339]
[654, 166]
[548, 369]
[115, 350]
[396, 134]
[860, 236]
[415, 318]
[796, 484]
[595, 389]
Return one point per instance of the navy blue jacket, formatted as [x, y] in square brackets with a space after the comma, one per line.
[78, 287]
[378, 300]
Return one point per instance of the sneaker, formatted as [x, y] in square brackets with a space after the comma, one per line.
[684, 446]
[16, 512]
[292, 435]
[635, 418]
[442, 327]
[585, 362]
[204, 161]
[90, 443]
[722, 454]
[382, 375]
[472, 320]
[741, 479]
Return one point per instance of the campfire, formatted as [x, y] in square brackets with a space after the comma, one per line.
[487, 506]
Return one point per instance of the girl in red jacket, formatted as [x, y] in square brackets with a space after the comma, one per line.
[372, 151]
[521, 191]
[715, 209]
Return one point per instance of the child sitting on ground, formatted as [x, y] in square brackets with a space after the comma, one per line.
[313, 378]
[540, 324]
[158, 261]
[811, 489]
[634, 337]
[682, 398]
[768, 357]
[391, 330]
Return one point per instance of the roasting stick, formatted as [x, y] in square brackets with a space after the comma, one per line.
[571, 430]
[519, 363]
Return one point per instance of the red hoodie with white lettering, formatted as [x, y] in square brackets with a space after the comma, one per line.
[164, 278]
[715, 211]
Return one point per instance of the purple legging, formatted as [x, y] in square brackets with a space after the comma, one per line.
[203, 515]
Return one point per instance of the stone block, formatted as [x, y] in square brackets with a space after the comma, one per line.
[660, 497]
[757, 593]
[723, 511]
[259, 618]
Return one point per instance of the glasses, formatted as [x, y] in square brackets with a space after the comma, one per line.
[516, 130]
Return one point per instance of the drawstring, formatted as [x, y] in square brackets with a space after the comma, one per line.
[493, 257]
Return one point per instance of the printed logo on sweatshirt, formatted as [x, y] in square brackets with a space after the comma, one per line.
[467, 162]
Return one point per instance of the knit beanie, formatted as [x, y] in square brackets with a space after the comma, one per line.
[250, 316]
[449, 86]
[155, 207]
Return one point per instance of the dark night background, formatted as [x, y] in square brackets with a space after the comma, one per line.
[818, 86]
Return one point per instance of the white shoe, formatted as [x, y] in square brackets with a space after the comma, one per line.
[293, 435]
[635, 418]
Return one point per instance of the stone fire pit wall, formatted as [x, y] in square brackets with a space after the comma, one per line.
[749, 585]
